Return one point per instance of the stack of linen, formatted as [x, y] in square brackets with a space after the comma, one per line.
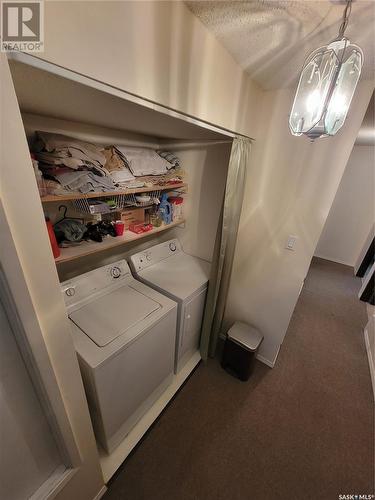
[127, 165]
[143, 162]
[76, 165]
[83, 167]
[117, 167]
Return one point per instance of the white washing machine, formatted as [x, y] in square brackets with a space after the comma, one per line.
[124, 333]
[183, 278]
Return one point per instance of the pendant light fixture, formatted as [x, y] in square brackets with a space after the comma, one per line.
[326, 86]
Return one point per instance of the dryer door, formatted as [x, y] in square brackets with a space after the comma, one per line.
[191, 328]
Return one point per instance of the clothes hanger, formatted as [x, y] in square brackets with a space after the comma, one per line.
[65, 209]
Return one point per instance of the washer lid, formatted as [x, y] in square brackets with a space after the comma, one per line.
[179, 275]
[111, 315]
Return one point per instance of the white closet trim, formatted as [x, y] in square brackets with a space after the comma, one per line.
[55, 69]
[14, 290]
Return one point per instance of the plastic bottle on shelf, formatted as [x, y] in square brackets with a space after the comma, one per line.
[52, 238]
[176, 204]
[155, 219]
[165, 209]
[39, 178]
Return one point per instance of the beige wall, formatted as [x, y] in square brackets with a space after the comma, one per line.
[206, 168]
[157, 50]
[290, 189]
[353, 211]
[160, 51]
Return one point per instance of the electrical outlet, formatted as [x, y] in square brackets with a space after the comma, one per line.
[291, 242]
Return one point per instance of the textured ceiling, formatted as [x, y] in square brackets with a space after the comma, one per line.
[270, 38]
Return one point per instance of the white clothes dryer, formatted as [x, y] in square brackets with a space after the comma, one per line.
[184, 279]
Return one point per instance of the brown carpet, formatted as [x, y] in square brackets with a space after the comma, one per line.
[303, 430]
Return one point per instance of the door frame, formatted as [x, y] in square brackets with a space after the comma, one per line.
[29, 339]
[31, 289]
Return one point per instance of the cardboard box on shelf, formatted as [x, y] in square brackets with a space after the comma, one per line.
[132, 215]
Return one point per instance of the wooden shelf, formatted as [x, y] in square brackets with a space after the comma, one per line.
[90, 247]
[79, 196]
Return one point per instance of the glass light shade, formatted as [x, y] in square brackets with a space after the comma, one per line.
[325, 90]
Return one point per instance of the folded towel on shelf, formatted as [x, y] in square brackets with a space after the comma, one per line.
[117, 166]
[170, 157]
[52, 171]
[131, 185]
[121, 176]
[53, 160]
[57, 149]
[113, 159]
[143, 161]
[85, 182]
[53, 187]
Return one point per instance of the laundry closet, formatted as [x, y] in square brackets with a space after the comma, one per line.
[56, 100]
[53, 103]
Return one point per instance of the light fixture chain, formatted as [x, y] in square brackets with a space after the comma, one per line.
[345, 18]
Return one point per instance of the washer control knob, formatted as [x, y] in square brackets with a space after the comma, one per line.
[70, 291]
[115, 272]
[172, 247]
[148, 256]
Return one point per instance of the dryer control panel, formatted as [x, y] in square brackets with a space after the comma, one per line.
[155, 254]
[84, 286]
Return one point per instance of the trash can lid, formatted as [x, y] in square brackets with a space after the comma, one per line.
[245, 335]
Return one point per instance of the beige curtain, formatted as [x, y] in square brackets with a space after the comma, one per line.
[225, 245]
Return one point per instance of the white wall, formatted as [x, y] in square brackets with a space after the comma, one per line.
[206, 168]
[160, 51]
[291, 185]
[353, 211]
[156, 50]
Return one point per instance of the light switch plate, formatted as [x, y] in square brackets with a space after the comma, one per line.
[291, 242]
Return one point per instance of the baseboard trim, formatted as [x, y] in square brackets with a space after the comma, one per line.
[324, 257]
[265, 361]
[370, 360]
[99, 495]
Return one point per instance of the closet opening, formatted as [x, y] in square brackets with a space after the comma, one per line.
[54, 102]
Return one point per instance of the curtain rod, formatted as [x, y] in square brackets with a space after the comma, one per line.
[197, 143]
